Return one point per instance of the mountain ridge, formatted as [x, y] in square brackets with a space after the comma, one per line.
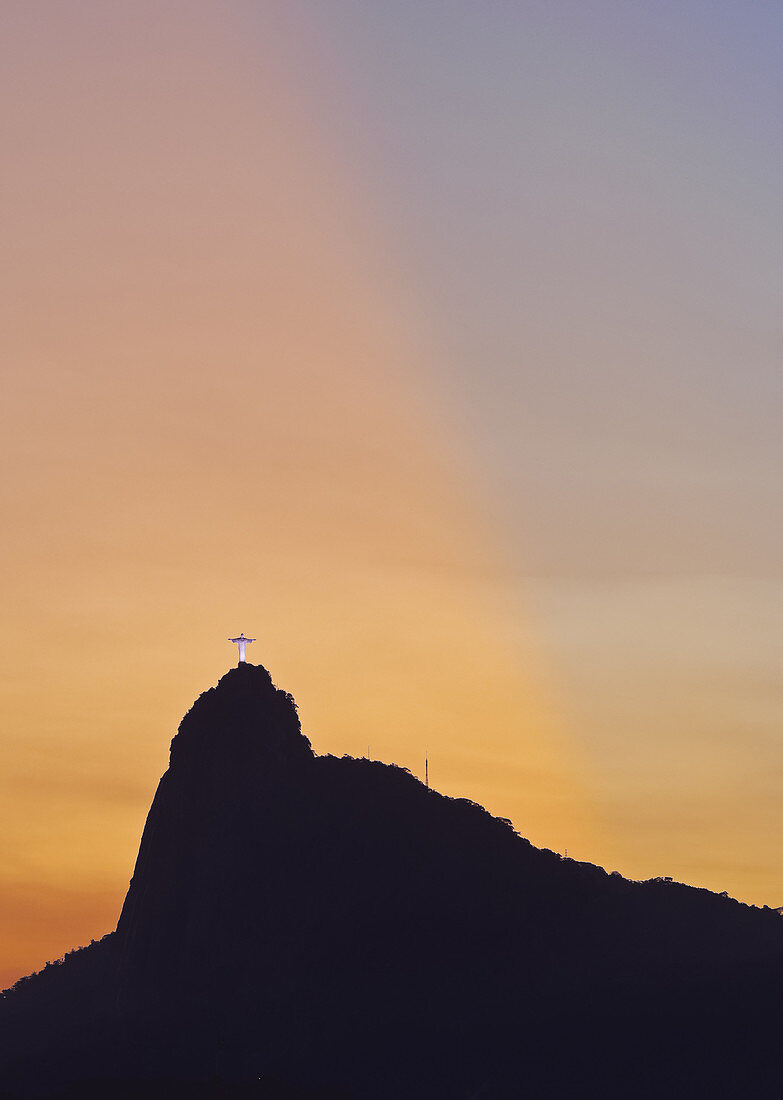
[316, 923]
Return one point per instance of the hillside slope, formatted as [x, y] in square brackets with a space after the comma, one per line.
[300, 925]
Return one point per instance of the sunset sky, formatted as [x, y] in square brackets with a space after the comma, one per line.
[436, 345]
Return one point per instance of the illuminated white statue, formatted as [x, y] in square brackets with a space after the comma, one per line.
[241, 641]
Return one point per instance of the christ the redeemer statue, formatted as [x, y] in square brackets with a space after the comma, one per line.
[241, 641]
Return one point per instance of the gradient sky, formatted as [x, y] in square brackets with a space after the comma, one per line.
[436, 346]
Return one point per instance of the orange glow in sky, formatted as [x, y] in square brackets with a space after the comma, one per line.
[227, 407]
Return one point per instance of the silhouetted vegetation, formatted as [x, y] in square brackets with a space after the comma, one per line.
[302, 926]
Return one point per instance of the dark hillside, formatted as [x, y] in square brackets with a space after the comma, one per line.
[309, 926]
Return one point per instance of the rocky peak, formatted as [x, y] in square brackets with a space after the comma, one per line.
[239, 753]
[244, 726]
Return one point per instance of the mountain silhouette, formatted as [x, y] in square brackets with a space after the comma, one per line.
[303, 926]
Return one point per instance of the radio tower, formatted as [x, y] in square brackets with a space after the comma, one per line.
[426, 771]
